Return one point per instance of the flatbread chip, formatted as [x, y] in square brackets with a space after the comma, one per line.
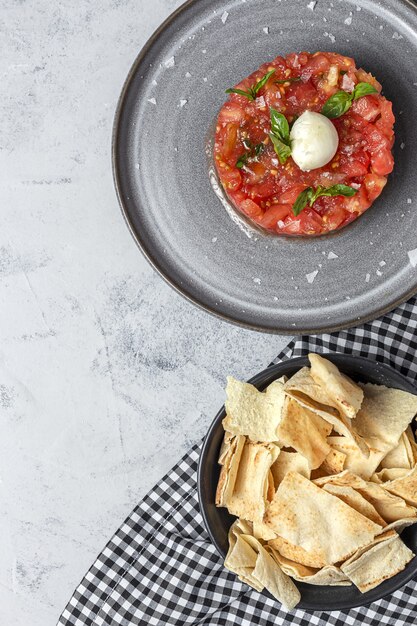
[304, 384]
[332, 464]
[305, 431]
[413, 444]
[271, 487]
[400, 524]
[297, 553]
[386, 474]
[380, 562]
[240, 554]
[228, 473]
[262, 531]
[388, 506]
[400, 456]
[355, 500]
[241, 557]
[289, 462]
[249, 496]
[303, 388]
[328, 575]
[226, 443]
[253, 413]
[269, 574]
[385, 415]
[355, 461]
[317, 521]
[346, 395]
[405, 487]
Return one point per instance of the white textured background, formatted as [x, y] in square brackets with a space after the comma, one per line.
[106, 375]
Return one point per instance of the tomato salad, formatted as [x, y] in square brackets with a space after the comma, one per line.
[259, 138]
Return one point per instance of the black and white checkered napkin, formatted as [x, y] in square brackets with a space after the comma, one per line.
[160, 567]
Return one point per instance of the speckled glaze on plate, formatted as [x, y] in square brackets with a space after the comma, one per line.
[169, 101]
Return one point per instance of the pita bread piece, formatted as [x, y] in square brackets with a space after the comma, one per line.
[226, 443]
[382, 561]
[328, 575]
[413, 444]
[390, 507]
[355, 461]
[241, 557]
[405, 487]
[317, 521]
[332, 464]
[262, 531]
[269, 574]
[385, 415]
[289, 462]
[231, 459]
[305, 431]
[251, 412]
[249, 496]
[387, 474]
[346, 395]
[303, 388]
[400, 456]
[297, 553]
[354, 499]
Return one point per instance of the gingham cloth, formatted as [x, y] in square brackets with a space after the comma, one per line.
[160, 567]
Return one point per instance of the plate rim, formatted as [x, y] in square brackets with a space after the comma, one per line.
[337, 358]
[152, 258]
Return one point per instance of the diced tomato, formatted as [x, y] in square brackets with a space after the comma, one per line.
[230, 177]
[301, 96]
[264, 189]
[256, 172]
[318, 64]
[355, 165]
[291, 195]
[311, 222]
[334, 217]
[375, 139]
[357, 203]
[367, 107]
[386, 121]
[229, 139]
[251, 209]
[374, 184]
[274, 214]
[382, 162]
[231, 112]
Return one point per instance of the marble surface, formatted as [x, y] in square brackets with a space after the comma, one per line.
[106, 375]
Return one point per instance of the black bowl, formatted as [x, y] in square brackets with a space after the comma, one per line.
[218, 520]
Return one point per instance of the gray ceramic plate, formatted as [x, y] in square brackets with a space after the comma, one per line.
[170, 100]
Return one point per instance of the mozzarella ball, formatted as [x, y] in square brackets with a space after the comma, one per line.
[314, 141]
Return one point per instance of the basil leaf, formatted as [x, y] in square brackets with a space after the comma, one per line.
[283, 151]
[240, 92]
[310, 195]
[287, 80]
[363, 89]
[337, 104]
[302, 200]
[252, 92]
[252, 154]
[261, 83]
[280, 126]
[242, 160]
[338, 190]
